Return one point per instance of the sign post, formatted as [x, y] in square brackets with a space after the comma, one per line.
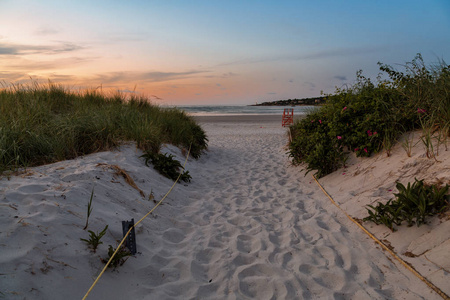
[130, 241]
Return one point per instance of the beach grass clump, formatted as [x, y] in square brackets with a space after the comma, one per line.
[44, 124]
[427, 89]
[368, 117]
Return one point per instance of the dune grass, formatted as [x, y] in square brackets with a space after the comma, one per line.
[369, 117]
[44, 124]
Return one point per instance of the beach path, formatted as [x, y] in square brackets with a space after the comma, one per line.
[249, 226]
[257, 228]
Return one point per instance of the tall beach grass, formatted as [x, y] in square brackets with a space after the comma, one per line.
[44, 124]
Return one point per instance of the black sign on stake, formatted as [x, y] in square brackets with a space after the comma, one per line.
[130, 241]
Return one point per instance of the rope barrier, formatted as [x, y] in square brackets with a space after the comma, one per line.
[129, 230]
[405, 264]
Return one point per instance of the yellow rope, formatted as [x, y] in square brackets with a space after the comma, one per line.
[129, 230]
[406, 265]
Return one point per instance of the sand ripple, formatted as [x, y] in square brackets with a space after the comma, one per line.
[261, 230]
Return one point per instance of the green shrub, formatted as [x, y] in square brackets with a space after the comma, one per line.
[316, 147]
[412, 204]
[166, 165]
[367, 117]
[359, 119]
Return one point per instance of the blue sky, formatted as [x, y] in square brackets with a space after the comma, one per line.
[216, 52]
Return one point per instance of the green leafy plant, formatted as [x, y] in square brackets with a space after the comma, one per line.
[166, 165]
[185, 176]
[89, 209]
[315, 146]
[94, 238]
[118, 259]
[387, 214]
[413, 203]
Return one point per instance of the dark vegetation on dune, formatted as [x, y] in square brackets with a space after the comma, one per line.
[368, 117]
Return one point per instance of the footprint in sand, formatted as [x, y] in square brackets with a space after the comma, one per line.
[33, 188]
[247, 243]
[243, 259]
[238, 220]
[256, 282]
[207, 256]
[199, 271]
[174, 236]
[280, 238]
[334, 281]
[185, 227]
[322, 225]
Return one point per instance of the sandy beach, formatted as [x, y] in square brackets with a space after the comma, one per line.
[242, 119]
[248, 226]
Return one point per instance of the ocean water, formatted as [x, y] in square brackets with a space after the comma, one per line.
[204, 110]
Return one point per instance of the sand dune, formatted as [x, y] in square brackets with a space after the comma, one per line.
[248, 226]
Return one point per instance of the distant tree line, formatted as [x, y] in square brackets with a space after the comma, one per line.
[294, 102]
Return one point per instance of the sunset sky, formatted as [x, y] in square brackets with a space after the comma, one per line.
[216, 52]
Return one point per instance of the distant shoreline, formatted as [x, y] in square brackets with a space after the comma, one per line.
[295, 102]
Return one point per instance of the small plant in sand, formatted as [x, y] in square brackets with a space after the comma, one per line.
[427, 140]
[94, 238]
[442, 138]
[151, 196]
[413, 204]
[428, 129]
[89, 209]
[166, 165]
[407, 143]
[388, 143]
[118, 259]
